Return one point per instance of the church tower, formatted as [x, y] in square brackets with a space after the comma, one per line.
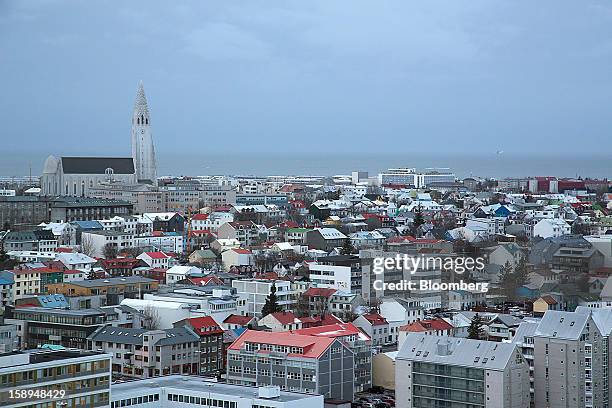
[143, 151]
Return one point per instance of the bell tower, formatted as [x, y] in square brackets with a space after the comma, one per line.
[143, 150]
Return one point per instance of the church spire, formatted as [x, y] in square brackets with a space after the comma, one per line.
[140, 106]
[143, 150]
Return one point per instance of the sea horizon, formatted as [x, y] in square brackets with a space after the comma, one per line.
[497, 165]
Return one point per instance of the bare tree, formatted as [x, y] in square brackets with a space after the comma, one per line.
[87, 246]
[151, 318]
[110, 251]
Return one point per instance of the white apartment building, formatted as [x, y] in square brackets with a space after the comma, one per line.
[256, 291]
[329, 276]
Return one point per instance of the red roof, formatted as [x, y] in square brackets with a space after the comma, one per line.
[238, 319]
[64, 250]
[285, 317]
[157, 255]
[205, 325]
[549, 300]
[320, 292]
[200, 217]
[241, 251]
[333, 331]
[203, 281]
[427, 325]
[375, 319]
[313, 346]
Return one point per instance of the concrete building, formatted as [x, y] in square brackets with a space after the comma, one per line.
[294, 362]
[434, 371]
[144, 353]
[83, 376]
[570, 361]
[194, 392]
[256, 291]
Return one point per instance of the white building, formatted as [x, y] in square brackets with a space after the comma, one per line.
[330, 276]
[180, 272]
[551, 228]
[195, 392]
[256, 291]
[237, 257]
[113, 238]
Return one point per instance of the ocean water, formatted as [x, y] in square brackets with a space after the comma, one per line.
[329, 164]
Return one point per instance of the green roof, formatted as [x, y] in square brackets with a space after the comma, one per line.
[298, 229]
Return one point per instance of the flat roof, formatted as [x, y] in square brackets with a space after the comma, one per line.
[199, 384]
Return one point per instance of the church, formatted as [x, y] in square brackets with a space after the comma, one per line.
[76, 176]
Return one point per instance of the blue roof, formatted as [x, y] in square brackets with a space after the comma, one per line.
[7, 278]
[88, 224]
[53, 301]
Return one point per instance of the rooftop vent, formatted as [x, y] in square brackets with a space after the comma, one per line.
[269, 392]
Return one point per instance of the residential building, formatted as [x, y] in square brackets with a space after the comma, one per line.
[356, 340]
[146, 353]
[376, 327]
[38, 326]
[325, 239]
[84, 376]
[570, 361]
[246, 232]
[211, 351]
[256, 291]
[452, 372]
[294, 362]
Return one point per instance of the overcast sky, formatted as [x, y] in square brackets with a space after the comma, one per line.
[350, 76]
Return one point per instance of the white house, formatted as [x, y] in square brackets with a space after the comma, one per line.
[237, 257]
[76, 260]
[330, 276]
[551, 228]
[179, 272]
[157, 259]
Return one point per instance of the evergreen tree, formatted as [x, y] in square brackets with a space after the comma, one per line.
[347, 247]
[476, 329]
[271, 305]
[417, 221]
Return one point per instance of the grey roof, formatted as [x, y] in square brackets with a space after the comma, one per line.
[196, 385]
[69, 312]
[601, 317]
[177, 335]
[113, 281]
[97, 165]
[462, 352]
[562, 325]
[525, 329]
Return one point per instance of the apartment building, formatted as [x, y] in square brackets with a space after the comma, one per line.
[84, 376]
[192, 392]
[211, 343]
[294, 362]
[143, 353]
[39, 326]
[256, 291]
[357, 341]
[434, 371]
[570, 361]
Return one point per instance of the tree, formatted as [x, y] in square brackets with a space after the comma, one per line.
[348, 248]
[151, 318]
[271, 305]
[87, 246]
[511, 279]
[476, 328]
[110, 251]
[417, 221]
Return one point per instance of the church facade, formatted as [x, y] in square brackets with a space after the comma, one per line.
[79, 176]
